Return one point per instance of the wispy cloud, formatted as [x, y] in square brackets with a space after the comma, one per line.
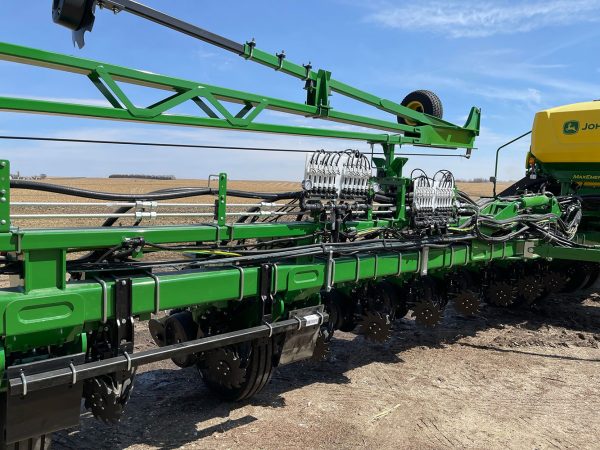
[471, 18]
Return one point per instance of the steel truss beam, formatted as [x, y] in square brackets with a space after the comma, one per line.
[213, 113]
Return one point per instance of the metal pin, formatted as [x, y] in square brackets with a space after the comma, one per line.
[451, 257]
[128, 358]
[299, 321]
[357, 277]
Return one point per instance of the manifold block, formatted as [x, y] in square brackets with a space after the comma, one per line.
[434, 199]
[337, 174]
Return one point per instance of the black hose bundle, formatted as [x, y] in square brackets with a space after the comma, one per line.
[171, 194]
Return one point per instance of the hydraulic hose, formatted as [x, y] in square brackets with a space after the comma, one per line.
[169, 195]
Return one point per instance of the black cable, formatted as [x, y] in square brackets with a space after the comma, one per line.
[175, 145]
[294, 252]
[170, 195]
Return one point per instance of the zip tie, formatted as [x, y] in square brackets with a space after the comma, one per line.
[156, 292]
[74, 373]
[104, 299]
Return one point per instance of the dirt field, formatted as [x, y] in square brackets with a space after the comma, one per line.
[505, 379]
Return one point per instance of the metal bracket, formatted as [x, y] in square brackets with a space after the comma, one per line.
[123, 333]
[399, 264]
[330, 272]
[104, 299]
[156, 292]
[242, 282]
[529, 249]
[33, 411]
[265, 283]
[251, 44]
[280, 57]
[275, 279]
[19, 234]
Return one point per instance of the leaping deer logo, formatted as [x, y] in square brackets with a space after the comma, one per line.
[571, 127]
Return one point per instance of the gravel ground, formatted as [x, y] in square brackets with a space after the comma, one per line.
[504, 379]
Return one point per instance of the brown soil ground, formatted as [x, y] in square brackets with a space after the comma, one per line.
[506, 378]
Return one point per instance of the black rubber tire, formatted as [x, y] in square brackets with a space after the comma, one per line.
[430, 104]
[258, 373]
[37, 443]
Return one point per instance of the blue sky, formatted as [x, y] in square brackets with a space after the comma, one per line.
[509, 58]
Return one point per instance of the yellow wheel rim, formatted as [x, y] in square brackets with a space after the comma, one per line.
[416, 106]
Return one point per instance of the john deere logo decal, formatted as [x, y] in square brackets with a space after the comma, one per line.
[571, 127]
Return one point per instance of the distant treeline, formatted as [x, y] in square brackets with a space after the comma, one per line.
[145, 177]
[473, 180]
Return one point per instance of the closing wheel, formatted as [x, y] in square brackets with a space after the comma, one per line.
[424, 102]
[254, 365]
[500, 293]
[529, 290]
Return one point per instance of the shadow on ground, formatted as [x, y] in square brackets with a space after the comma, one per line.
[170, 408]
